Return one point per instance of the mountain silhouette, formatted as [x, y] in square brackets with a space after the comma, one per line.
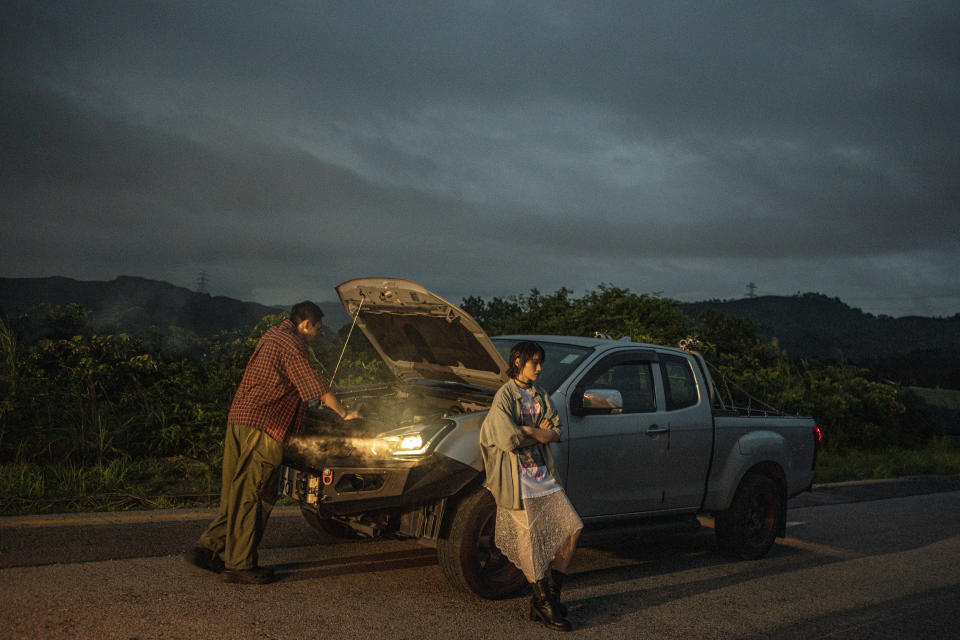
[130, 304]
[812, 325]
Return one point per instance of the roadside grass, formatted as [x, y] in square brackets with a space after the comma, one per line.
[116, 485]
[124, 484]
[939, 456]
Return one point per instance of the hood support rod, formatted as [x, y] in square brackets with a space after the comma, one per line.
[347, 341]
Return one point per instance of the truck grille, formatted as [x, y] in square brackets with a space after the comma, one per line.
[308, 488]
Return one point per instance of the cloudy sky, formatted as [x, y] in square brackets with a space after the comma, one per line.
[487, 148]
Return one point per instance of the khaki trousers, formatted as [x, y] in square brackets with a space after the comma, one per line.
[251, 472]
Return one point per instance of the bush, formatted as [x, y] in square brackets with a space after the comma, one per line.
[78, 398]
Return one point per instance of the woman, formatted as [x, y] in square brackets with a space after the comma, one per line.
[537, 527]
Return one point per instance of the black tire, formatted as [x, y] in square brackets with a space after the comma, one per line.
[749, 527]
[467, 554]
[328, 526]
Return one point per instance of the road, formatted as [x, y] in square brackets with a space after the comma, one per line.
[856, 564]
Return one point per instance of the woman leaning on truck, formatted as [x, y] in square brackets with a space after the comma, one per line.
[536, 528]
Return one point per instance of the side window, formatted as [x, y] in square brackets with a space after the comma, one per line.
[632, 379]
[679, 383]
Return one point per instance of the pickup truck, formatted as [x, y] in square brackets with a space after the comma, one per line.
[648, 444]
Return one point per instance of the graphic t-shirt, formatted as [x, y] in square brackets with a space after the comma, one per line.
[535, 478]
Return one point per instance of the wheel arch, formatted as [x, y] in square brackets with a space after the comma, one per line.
[759, 451]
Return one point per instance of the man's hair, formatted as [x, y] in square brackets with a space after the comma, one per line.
[306, 310]
[526, 351]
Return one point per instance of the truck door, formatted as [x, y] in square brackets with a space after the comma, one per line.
[689, 439]
[615, 444]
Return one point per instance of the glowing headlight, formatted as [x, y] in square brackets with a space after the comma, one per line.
[411, 443]
[414, 440]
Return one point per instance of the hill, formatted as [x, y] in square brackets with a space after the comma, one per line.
[131, 304]
[911, 350]
[812, 325]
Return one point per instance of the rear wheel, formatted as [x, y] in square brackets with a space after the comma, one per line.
[467, 554]
[328, 526]
[749, 527]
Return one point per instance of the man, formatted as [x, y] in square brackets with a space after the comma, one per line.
[268, 409]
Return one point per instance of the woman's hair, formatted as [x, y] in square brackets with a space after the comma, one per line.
[525, 350]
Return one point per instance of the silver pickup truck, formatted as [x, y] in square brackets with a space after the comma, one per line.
[647, 442]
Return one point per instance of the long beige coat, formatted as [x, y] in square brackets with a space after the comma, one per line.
[501, 436]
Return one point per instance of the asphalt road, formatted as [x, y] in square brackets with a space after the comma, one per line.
[862, 560]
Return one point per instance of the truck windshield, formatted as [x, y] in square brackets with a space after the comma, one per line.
[561, 360]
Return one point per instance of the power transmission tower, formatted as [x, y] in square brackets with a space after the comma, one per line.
[202, 282]
[751, 289]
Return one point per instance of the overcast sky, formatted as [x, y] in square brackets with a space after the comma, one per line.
[487, 148]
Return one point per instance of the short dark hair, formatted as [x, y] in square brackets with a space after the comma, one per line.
[305, 310]
[526, 351]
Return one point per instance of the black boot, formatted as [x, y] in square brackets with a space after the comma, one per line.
[544, 608]
[554, 585]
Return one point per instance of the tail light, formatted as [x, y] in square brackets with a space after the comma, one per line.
[817, 440]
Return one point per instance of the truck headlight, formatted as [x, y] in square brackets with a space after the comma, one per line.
[414, 440]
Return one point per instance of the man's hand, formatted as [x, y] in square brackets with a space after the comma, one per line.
[331, 401]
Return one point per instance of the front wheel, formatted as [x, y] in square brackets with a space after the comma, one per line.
[749, 527]
[467, 554]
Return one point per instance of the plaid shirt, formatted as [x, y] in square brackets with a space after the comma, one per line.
[277, 384]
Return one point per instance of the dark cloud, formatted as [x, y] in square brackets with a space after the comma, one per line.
[487, 148]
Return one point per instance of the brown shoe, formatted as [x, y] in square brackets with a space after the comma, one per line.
[204, 559]
[256, 575]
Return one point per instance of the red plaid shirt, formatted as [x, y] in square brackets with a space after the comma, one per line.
[277, 384]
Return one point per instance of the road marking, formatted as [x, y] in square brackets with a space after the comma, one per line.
[822, 549]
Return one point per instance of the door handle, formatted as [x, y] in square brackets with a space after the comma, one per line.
[656, 430]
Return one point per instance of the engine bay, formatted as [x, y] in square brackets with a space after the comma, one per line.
[383, 408]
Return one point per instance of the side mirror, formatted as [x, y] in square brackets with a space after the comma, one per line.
[596, 401]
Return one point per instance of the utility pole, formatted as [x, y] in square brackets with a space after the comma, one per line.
[751, 288]
[202, 282]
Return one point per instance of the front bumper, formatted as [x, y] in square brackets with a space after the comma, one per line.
[343, 487]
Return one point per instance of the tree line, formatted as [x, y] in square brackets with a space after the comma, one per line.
[76, 395]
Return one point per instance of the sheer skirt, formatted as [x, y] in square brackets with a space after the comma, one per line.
[546, 528]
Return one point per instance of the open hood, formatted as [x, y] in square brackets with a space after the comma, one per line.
[420, 335]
